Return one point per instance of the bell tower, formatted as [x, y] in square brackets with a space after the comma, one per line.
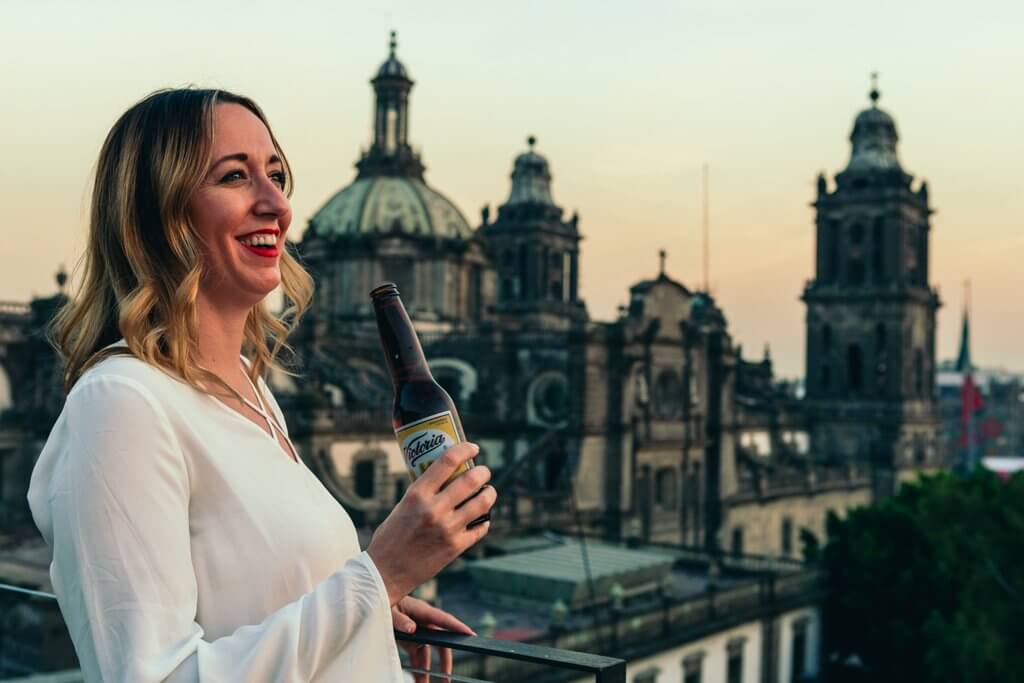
[536, 252]
[871, 311]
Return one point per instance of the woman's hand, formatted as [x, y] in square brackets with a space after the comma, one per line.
[430, 525]
[411, 613]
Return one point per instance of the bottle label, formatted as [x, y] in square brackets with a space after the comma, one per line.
[424, 441]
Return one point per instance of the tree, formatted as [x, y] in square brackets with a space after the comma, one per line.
[929, 585]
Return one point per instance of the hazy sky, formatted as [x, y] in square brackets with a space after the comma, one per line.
[627, 100]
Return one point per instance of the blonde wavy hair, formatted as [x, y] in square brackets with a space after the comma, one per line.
[143, 264]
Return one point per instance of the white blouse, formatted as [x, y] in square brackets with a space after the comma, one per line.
[188, 546]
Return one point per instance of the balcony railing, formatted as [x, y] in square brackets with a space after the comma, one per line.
[33, 640]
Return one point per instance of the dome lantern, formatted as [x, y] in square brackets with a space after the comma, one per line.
[874, 137]
[531, 178]
[390, 153]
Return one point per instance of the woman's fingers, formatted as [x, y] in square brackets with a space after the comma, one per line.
[441, 470]
[422, 661]
[476, 507]
[433, 617]
[402, 622]
[446, 660]
[466, 486]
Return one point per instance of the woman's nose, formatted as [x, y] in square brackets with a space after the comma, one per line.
[271, 199]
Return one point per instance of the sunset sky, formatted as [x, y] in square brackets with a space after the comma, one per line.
[627, 99]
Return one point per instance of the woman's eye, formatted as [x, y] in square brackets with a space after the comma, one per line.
[233, 175]
[280, 178]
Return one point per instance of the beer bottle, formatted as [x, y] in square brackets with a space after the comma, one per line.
[424, 417]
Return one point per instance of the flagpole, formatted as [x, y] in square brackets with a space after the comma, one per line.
[706, 229]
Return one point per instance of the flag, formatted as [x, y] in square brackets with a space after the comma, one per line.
[971, 404]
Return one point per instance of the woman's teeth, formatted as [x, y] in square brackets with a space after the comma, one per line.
[264, 240]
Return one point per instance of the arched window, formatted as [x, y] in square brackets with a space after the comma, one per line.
[855, 256]
[365, 475]
[854, 368]
[668, 395]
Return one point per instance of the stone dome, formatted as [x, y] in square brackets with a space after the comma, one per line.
[380, 204]
[531, 179]
[392, 68]
[874, 139]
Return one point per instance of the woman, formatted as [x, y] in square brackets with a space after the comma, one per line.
[189, 541]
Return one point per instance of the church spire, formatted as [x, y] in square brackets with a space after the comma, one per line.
[963, 358]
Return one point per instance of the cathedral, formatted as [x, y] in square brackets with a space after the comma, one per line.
[651, 426]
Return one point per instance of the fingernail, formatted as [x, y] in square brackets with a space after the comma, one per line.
[411, 628]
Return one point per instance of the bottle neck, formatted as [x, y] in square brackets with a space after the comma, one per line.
[402, 349]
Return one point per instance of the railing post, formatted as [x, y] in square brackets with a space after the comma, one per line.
[614, 674]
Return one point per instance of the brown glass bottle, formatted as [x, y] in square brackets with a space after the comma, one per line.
[424, 417]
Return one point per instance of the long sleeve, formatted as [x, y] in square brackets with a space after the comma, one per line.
[112, 498]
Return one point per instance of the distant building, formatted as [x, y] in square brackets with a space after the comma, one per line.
[999, 423]
[871, 313]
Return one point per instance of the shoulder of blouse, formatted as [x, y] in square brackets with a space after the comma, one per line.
[128, 367]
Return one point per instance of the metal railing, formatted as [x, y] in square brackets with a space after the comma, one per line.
[19, 658]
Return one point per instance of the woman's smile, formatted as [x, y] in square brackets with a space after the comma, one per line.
[263, 243]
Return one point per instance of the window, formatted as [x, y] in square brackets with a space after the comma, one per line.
[881, 356]
[543, 293]
[734, 660]
[832, 252]
[919, 372]
[524, 290]
[737, 541]
[787, 536]
[878, 251]
[556, 290]
[450, 380]
[826, 377]
[402, 272]
[365, 471]
[668, 392]
[911, 253]
[692, 665]
[399, 489]
[799, 653]
[665, 489]
[508, 288]
[475, 298]
[826, 337]
[854, 368]
[855, 263]
[567, 276]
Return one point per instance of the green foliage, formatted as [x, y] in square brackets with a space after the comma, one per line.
[929, 585]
